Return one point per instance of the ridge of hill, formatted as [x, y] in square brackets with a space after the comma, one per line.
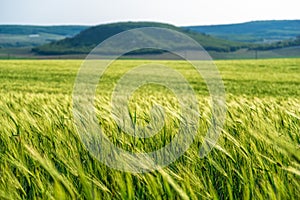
[87, 39]
[255, 31]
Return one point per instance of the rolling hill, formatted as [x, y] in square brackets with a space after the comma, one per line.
[255, 31]
[86, 40]
[222, 41]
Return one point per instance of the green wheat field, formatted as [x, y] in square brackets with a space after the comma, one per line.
[257, 155]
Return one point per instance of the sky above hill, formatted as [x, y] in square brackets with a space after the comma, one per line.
[178, 12]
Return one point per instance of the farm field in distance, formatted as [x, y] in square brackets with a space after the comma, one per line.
[257, 155]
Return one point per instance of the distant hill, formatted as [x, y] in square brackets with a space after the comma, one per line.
[222, 41]
[86, 40]
[30, 36]
[255, 31]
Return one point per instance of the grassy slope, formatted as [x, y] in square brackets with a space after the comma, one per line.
[257, 156]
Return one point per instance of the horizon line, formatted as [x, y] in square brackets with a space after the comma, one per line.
[113, 22]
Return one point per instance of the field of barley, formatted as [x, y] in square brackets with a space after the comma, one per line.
[257, 155]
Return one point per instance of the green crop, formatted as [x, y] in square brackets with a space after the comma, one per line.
[257, 155]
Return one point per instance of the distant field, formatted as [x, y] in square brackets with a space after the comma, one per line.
[19, 40]
[290, 52]
[12, 36]
[257, 155]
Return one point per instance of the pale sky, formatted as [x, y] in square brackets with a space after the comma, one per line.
[177, 12]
